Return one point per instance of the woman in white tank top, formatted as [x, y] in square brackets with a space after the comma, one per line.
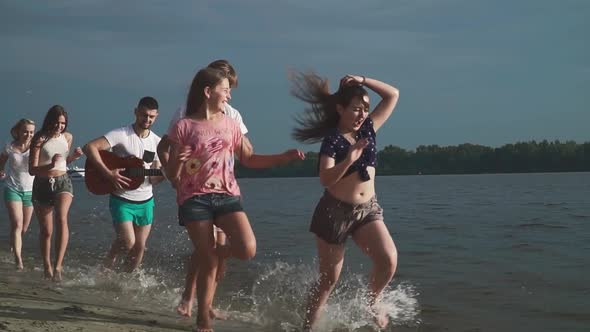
[52, 187]
[18, 184]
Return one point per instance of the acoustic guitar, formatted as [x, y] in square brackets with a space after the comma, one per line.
[133, 169]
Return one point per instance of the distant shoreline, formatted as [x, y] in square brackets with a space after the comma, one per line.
[521, 157]
[439, 174]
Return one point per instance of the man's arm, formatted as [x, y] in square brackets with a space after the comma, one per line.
[91, 149]
[163, 151]
[154, 180]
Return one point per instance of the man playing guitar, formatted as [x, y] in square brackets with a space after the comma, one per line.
[132, 210]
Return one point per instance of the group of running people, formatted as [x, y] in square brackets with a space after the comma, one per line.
[196, 155]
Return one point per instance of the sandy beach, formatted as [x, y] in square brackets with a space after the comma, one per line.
[29, 303]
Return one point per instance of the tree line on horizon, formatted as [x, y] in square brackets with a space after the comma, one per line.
[520, 157]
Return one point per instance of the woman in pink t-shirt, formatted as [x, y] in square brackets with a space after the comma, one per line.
[201, 168]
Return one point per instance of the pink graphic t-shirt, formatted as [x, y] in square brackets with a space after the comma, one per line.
[210, 168]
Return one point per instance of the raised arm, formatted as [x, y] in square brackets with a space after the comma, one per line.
[389, 97]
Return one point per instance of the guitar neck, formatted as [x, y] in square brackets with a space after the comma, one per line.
[141, 172]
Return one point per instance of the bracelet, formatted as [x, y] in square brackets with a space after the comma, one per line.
[364, 79]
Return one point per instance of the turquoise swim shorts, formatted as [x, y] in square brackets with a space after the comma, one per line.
[13, 195]
[140, 213]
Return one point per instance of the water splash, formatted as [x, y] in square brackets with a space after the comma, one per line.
[279, 295]
[132, 287]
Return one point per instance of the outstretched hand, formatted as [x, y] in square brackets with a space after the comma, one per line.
[78, 152]
[356, 150]
[293, 154]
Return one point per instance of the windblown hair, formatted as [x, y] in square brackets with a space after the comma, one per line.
[49, 123]
[207, 77]
[18, 126]
[321, 116]
[228, 69]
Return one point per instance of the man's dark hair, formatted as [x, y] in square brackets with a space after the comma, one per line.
[148, 103]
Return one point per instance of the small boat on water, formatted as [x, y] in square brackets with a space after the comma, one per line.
[76, 173]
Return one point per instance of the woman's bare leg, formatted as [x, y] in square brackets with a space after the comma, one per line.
[15, 214]
[45, 217]
[376, 242]
[201, 234]
[62, 236]
[242, 242]
[331, 258]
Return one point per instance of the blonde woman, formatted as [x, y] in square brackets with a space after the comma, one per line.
[14, 167]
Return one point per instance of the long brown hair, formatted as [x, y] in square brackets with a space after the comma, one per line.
[49, 123]
[321, 116]
[206, 77]
[18, 126]
[229, 70]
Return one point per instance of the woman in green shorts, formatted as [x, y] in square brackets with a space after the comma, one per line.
[14, 169]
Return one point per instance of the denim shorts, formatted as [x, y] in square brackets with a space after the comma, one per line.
[208, 207]
[13, 195]
[45, 190]
[334, 220]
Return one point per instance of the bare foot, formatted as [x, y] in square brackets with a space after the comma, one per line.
[57, 275]
[48, 272]
[217, 314]
[201, 329]
[381, 318]
[109, 263]
[19, 265]
[185, 308]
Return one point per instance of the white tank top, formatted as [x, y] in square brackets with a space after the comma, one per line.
[17, 171]
[52, 147]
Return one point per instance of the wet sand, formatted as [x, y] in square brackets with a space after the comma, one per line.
[29, 303]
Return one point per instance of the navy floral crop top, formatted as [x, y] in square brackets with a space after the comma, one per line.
[336, 146]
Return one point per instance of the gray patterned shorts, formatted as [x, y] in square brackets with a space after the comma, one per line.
[334, 220]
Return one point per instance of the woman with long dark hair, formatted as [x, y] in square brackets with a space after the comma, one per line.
[347, 160]
[52, 187]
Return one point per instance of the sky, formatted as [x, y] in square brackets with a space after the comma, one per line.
[488, 72]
